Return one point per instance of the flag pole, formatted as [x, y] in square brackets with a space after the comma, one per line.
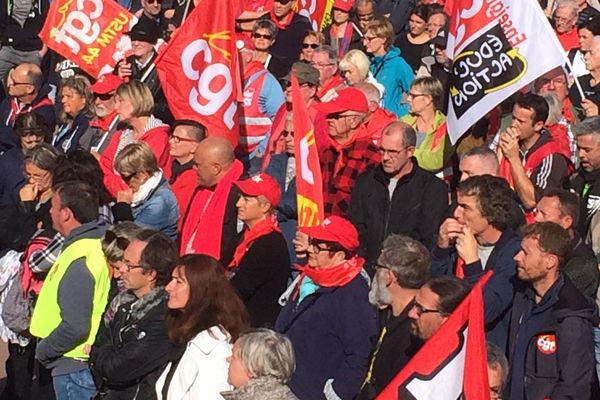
[185, 13]
[577, 83]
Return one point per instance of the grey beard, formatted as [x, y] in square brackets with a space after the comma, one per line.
[379, 295]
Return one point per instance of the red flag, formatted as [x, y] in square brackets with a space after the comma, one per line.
[198, 69]
[452, 362]
[88, 32]
[309, 182]
[317, 11]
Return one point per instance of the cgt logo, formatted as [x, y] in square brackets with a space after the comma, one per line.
[214, 83]
[546, 344]
[79, 25]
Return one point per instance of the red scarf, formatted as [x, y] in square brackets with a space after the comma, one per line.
[104, 123]
[284, 23]
[264, 227]
[205, 215]
[331, 277]
[252, 68]
[343, 43]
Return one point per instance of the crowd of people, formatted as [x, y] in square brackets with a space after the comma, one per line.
[148, 257]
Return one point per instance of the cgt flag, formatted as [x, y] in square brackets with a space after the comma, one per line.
[198, 69]
[495, 48]
[88, 32]
[452, 364]
[317, 11]
[309, 182]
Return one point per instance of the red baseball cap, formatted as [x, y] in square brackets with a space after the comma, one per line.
[261, 185]
[244, 42]
[337, 230]
[348, 99]
[106, 84]
[344, 5]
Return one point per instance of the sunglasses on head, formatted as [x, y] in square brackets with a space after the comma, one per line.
[311, 45]
[121, 242]
[261, 36]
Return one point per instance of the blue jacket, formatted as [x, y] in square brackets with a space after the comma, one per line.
[499, 290]
[159, 211]
[396, 76]
[11, 178]
[67, 138]
[331, 331]
[287, 210]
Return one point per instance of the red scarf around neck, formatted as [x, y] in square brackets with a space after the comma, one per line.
[283, 23]
[205, 215]
[264, 227]
[331, 277]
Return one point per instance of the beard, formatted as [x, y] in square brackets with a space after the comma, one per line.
[379, 294]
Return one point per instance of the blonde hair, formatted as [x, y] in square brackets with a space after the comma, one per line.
[267, 353]
[357, 59]
[139, 95]
[382, 28]
[136, 157]
[80, 85]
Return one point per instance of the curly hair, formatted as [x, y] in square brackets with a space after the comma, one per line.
[494, 196]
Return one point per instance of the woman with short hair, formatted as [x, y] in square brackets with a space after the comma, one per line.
[148, 200]
[354, 67]
[204, 317]
[260, 267]
[387, 65]
[77, 110]
[134, 104]
[311, 41]
[433, 150]
[260, 366]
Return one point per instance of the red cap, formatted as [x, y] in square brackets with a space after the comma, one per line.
[261, 185]
[344, 5]
[337, 230]
[348, 99]
[106, 84]
[244, 42]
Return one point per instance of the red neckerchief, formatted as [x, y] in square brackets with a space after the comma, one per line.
[252, 68]
[566, 111]
[331, 277]
[104, 123]
[286, 20]
[264, 227]
[360, 133]
[332, 83]
[205, 215]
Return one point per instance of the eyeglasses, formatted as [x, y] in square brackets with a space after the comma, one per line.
[415, 95]
[288, 84]
[177, 139]
[559, 81]
[104, 96]
[390, 152]
[563, 19]
[317, 245]
[121, 242]
[311, 45]
[365, 17]
[36, 177]
[422, 310]
[261, 36]
[318, 66]
[154, 1]
[128, 266]
[370, 38]
[339, 116]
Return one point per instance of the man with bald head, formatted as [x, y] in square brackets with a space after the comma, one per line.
[26, 93]
[397, 196]
[210, 223]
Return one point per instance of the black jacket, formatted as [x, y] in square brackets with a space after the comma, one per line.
[582, 268]
[587, 186]
[24, 38]
[288, 45]
[356, 41]
[262, 277]
[558, 344]
[131, 350]
[418, 205]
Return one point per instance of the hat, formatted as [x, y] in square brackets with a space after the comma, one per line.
[146, 30]
[348, 99]
[261, 185]
[243, 42]
[442, 37]
[106, 84]
[305, 73]
[344, 5]
[337, 230]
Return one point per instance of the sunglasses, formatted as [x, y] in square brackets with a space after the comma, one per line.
[154, 1]
[311, 45]
[261, 36]
[121, 242]
[283, 1]
[105, 96]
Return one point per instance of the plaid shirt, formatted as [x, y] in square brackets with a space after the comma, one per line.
[341, 165]
[42, 260]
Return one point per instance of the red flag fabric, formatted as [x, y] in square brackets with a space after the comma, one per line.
[198, 69]
[317, 11]
[309, 181]
[88, 32]
[453, 362]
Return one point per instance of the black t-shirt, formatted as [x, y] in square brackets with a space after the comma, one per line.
[591, 92]
[412, 53]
